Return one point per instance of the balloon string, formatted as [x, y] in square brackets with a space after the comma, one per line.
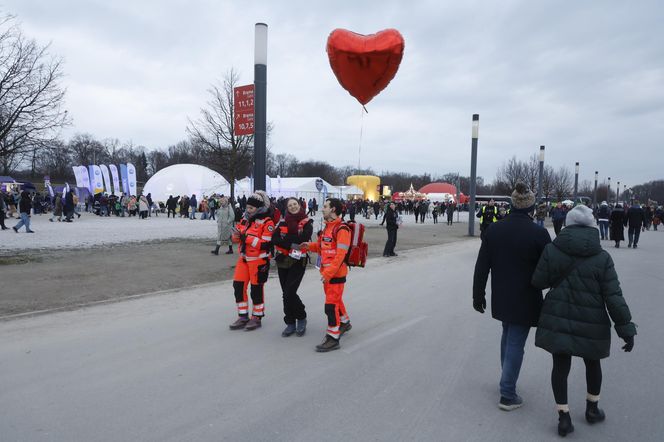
[359, 150]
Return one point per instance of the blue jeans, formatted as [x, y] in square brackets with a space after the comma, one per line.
[25, 221]
[603, 229]
[540, 222]
[511, 355]
[192, 215]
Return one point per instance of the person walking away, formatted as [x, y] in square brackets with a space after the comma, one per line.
[225, 220]
[558, 217]
[24, 207]
[212, 208]
[636, 219]
[143, 207]
[657, 218]
[3, 209]
[450, 212]
[649, 212]
[390, 220]
[488, 215]
[434, 213]
[617, 221]
[254, 235]
[510, 250]
[352, 209]
[574, 320]
[57, 208]
[171, 204]
[294, 228]
[332, 246]
[193, 204]
[603, 215]
[540, 215]
[148, 197]
[69, 206]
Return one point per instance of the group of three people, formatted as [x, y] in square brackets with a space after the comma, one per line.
[257, 235]
[572, 320]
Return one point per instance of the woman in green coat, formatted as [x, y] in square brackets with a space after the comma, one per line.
[574, 319]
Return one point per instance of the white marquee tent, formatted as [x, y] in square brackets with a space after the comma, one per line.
[185, 179]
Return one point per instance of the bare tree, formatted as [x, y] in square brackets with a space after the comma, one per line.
[562, 183]
[31, 97]
[510, 173]
[231, 154]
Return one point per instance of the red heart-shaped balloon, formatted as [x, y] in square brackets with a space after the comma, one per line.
[365, 64]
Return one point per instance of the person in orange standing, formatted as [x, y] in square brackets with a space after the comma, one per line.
[332, 246]
[254, 235]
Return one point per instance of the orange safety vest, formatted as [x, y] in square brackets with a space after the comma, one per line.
[256, 238]
[332, 246]
[283, 230]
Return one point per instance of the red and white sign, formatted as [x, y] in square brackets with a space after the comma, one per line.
[243, 100]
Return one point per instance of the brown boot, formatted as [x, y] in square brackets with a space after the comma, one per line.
[328, 344]
[239, 324]
[253, 324]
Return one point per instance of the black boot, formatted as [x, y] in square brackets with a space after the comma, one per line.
[564, 423]
[215, 251]
[594, 414]
[230, 250]
[328, 344]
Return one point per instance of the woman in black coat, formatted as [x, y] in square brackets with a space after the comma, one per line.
[574, 319]
[293, 229]
[617, 223]
[390, 219]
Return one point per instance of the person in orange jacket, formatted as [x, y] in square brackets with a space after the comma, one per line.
[254, 235]
[332, 246]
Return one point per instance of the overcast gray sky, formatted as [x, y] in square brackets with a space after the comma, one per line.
[584, 78]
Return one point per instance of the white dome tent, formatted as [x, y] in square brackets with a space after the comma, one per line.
[185, 179]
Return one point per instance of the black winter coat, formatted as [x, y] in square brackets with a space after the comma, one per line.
[574, 318]
[510, 251]
[636, 217]
[617, 228]
[390, 219]
[25, 203]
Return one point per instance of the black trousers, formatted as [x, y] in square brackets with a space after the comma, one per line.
[391, 242]
[290, 279]
[561, 366]
[557, 225]
[633, 234]
[2, 219]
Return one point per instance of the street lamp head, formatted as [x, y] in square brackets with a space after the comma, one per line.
[476, 125]
[596, 175]
[577, 167]
[260, 48]
[541, 155]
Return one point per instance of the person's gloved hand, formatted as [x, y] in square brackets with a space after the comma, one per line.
[479, 304]
[629, 343]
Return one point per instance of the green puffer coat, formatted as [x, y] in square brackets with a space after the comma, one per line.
[574, 316]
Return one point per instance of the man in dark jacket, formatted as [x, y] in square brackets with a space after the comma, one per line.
[510, 250]
[193, 205]
[558, 217]
[24, 207]
[636, 218]
[390, 219]
[3, 210]
[69, 205]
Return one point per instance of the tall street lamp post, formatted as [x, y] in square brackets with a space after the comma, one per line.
[617, 192]
[595, 191]
[541, 173]
[608, 191]
[576, 180]
[260, 105]
[473, 175]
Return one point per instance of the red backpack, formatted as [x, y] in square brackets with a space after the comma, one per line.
[359, 249]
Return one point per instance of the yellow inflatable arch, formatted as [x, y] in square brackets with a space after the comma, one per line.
[369, 184]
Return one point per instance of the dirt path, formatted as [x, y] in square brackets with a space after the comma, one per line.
[65, 279]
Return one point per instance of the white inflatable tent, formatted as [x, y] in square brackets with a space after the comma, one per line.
[185, 179]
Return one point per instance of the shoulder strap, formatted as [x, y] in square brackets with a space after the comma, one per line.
[563, 276]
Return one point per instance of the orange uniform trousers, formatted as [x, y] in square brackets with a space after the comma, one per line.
[252, 273]
[335, 310]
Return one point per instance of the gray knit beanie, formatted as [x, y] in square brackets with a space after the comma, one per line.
[580, 216]
[522, 197]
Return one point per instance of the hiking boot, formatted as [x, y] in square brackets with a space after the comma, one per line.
[253, 324]
[229, 251]
[629, 246]
[344, 327]
[15, 229]
[301, 328]
[289, 330]
[634, 246]
[594, 414]
[215, 251]
[564, 423]
[510, 404]
[239, 324]
[328, 344]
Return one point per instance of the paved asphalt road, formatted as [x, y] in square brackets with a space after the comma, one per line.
[418, 365]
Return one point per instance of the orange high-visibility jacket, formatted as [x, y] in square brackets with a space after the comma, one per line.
[256, 237]
[332, 250]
